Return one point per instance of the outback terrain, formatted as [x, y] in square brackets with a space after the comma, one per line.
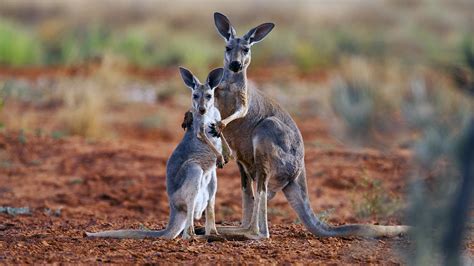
[72, 184]
[91, 105]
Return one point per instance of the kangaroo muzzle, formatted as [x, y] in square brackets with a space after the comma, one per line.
[202, 110]
[235, 66]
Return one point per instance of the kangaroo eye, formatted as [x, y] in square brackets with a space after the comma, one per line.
[195, 96]
[227, 48]
[208, 96]
[245, 50]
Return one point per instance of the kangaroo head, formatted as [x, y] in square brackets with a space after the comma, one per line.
[202, 94]
[237, 51]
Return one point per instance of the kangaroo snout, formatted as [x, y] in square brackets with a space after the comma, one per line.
[202, 110]
[235, 66]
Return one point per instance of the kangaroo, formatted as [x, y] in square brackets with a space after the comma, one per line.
[268, 144]
[191, 179]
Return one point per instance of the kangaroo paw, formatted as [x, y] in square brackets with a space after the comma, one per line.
[214, 131]
[187, 121]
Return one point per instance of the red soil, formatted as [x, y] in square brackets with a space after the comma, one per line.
[121, 184]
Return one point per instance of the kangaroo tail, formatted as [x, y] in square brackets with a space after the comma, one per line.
[128, 233]
[296, 193]
[175, 226]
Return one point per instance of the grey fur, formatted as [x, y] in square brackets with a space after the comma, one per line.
[268, 145]
[191, 180]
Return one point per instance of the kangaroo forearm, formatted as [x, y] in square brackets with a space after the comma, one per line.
[225, 146]
[241, 112]
[242, 109]
[202, 136]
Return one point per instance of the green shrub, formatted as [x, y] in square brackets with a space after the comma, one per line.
[137, 47]
[77, 45]
[18, 46]
[191, 50]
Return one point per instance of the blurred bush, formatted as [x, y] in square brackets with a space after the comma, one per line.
[19, 46]
[310, 35]
[376, 200]
[462, 72]
[354, 102]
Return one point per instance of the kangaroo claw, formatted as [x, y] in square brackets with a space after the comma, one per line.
[228, 158]
[220, 163]
[214, 131]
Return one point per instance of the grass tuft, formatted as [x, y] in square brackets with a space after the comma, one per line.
[376, 202]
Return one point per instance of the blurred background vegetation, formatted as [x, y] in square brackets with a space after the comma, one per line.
[388, 74]
[371, 64]
[309, 35]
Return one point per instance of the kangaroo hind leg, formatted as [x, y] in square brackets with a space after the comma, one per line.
[248, 199]
[189, 192]
[210, 214]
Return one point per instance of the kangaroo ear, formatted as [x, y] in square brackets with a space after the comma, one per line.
[257, 34]
[223, 26]
[189, 79]
[215, 77]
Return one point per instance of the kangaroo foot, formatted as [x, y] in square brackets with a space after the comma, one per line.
[232, 229]
[243, 235]
[201, 230]
[248, 233]
[194, 238]
[231, 233]
[188, 233]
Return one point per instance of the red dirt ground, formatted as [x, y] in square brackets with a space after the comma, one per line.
[100, 185]
[106, 185]
[88, 68]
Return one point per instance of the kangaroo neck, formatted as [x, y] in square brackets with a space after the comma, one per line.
[197, 120]
[232, 79]
[233, 86]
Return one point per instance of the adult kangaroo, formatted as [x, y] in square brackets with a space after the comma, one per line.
[268, 144]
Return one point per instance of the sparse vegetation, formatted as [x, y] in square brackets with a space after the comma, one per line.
[325, 215]
[83, 110]
[376, 201]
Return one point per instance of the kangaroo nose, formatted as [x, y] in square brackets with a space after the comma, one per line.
[235, 66]
[202, 110]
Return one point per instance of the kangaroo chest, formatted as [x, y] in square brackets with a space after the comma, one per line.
[238, 132]
[226, 101]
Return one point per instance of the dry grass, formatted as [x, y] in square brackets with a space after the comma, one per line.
[83, 111]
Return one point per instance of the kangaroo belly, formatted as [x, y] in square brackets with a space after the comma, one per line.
[202, 197]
